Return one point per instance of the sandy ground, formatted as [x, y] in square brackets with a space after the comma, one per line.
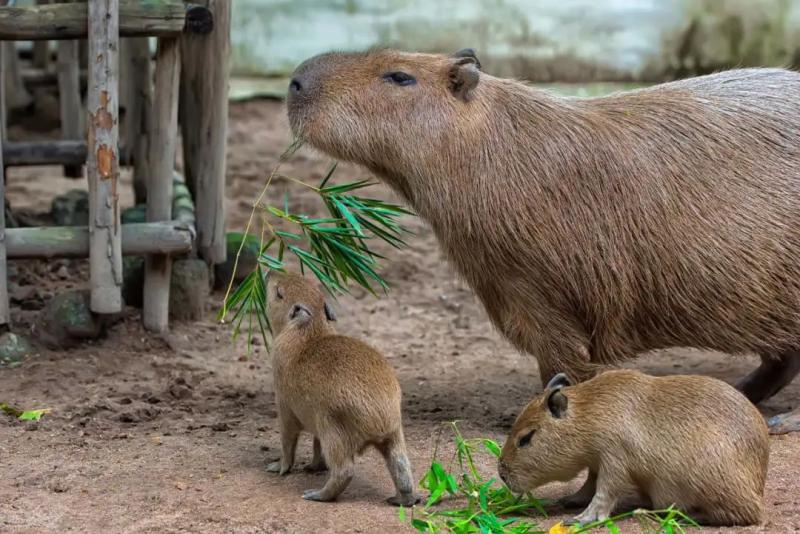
[172, 434]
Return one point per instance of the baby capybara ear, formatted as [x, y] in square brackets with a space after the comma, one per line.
[464, 77]
[468, 52]
[557, 403]
[300, 314]
[329, 312]
[559, 381]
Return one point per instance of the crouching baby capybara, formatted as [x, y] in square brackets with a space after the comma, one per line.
[592, 229]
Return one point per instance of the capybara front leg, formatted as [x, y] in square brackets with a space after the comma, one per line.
[771, 376]
[602, 504]
[583, 496]
[290, 431]
[340, 476]
[394, 452]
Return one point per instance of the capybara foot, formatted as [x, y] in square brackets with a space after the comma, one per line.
[785, 423]
[316, 495]
[407, 499]
[315, 467]
[276, 467]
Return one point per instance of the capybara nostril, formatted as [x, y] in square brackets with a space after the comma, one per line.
[295, 86]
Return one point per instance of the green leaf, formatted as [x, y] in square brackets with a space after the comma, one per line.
[33, 415]
[492, 447]
[328, 176]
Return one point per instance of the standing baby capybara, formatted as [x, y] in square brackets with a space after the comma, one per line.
[592, 229]
[337, 388]
[689, 441]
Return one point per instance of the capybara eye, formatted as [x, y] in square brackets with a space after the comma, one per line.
[400, 78]
[525, 440]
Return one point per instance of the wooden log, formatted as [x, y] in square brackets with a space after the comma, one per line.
[35, 78]
[136, 19]
[5, 314]
[137, 117]
[204, 100]
[27, 153]
[138, 239]
[69, 99]
[17, 97]
[105, 254]
[164, 123]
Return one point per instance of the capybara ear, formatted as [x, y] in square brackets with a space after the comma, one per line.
[469, 52]
[464, 77]
[300, 314]
[559, 381]
[329, 312]
[557, 403]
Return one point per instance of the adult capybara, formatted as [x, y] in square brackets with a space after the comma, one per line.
[689, 441]
[338, 388]
[592, 229]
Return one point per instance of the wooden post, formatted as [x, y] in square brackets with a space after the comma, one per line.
[137, 117]
[5, 314]
[41, 49]
[105, 254]
[69, 98]
[17, 96]
[164, 122]
[204, 100]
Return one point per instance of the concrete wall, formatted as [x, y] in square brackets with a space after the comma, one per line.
[540, 40]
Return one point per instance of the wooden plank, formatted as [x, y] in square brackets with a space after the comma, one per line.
[136, 19]
[69, 99]
[27, 153]
[105, 254]
[5, 313]
[204, 102]
[138, 239]
[164, 134]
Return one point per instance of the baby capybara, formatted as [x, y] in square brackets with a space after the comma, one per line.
[689, 441]
[339, 389]
[592, 229]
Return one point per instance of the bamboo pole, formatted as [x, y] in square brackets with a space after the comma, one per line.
[69, 98]
[136, 19]
[204, 101]
[105, 254]
[172, 237]
[164, 122]
[5, 314]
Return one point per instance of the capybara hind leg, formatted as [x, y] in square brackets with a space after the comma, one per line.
[339, 478]
[582, 497]
[318, 461]
[785, 423]
[290, 431]
[394, 452]
[771, 376]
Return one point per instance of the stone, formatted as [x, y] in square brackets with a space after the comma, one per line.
[189, 289]
[136, 214]
[247, 261]
[133, 280]
[71, 209]
[67, 319]
[13, 348]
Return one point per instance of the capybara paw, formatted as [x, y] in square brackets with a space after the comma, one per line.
[275, 467]
[315, 495]
[403, 500]
[315, 468]
[784, 423]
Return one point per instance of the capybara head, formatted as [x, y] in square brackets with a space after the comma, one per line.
[370, 107]
[295, 301]
[544, 444]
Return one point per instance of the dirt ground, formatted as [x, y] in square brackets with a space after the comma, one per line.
[172, 434]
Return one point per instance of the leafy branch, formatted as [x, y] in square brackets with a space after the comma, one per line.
[335, 249]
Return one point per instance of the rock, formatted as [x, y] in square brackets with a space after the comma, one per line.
[67, 319]
[189, 289]
[71, 209]
[13, 348]
[133, 280]
[247, 260]
[136, 214]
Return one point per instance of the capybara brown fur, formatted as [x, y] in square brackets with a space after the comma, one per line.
[592, 229]
[690, 441]
[336, 388]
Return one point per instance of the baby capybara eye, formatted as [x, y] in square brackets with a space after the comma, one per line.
[399, 78]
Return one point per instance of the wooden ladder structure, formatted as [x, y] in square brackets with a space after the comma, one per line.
[191, 73]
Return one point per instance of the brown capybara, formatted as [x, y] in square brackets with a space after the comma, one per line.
[592, 229]
[689, 441]
[337, 388]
